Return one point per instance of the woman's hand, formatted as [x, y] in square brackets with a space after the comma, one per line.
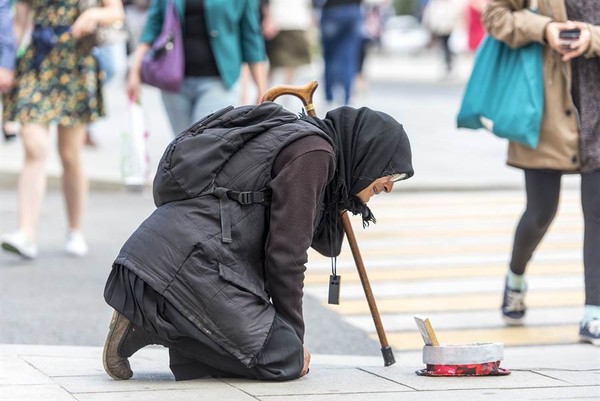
[574, 49]
[85, 24]
[258, 72]
[134, 83]
[134, 80]
[581, 45]
[306, 362]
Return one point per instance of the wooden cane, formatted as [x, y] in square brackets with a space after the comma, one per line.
[305, 94]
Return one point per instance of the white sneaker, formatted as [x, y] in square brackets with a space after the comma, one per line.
[75, 244]
[20, 244]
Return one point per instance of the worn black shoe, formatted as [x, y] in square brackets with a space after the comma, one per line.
[513, 306]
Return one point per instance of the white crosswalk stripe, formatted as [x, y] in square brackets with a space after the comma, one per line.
[445, 255]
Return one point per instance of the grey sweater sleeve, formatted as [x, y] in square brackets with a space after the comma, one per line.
[301, 172]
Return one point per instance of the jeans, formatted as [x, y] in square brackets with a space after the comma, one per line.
[341, 40]
[198, 97]
[112, 60]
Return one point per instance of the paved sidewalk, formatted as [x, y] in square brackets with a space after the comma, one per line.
[57, 373]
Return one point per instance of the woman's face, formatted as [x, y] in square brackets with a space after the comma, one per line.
[383, 184]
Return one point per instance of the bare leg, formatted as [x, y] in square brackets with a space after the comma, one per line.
[75, 187]
[244, 78]
[32, 181]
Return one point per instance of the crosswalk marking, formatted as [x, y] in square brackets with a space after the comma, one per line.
[439, 287]
[436, 272]
[457, 302]
[444, 255]
[526, 335]
[472, 319]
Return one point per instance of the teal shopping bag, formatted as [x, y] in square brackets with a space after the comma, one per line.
[505, 92]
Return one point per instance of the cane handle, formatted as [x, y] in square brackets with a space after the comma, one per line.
[304, 93]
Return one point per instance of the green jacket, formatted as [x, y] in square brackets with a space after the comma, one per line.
[233, 30]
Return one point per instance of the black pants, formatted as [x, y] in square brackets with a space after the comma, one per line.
[192, 353]
[543, 192]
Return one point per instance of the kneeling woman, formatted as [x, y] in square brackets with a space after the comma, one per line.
[216, 273]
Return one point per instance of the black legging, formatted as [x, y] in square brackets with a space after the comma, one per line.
[543, 192]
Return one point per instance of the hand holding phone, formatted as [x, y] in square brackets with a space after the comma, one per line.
[568, 36]
[570, 39]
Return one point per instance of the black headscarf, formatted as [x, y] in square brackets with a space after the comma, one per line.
[368, 145]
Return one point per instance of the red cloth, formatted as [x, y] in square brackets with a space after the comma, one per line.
[474, 369]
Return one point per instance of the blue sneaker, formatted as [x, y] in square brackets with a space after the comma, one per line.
[589, 331]
[513, 306]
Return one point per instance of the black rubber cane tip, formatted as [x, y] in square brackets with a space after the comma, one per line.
[388, 356]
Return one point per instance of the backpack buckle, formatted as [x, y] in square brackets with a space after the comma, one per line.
[248, 198]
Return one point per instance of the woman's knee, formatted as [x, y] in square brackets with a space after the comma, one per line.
[286, 369]
[36, 142]
[543, 193]
[282, 357]
[540, 217]
[70, 144]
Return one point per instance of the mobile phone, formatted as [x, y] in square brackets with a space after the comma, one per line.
[568, 36]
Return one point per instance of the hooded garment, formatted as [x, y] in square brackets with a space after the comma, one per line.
[368, 145]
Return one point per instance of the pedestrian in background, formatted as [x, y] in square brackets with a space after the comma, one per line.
[285, 28]
[341, 22]
[373, 16]
[7, 52]
[218, 37]
[7, 47]
[569, 139]
[442, 17]
[112, 62]
[135, 17]
[56, 82]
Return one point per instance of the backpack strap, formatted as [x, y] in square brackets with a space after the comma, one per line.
[225, 211]
[226, 195]
[249, 197]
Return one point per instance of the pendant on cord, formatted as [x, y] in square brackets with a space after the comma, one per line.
[334, 289]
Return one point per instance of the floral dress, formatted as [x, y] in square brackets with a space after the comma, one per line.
[57, 80]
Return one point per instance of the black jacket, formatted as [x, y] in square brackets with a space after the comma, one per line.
[202, 249]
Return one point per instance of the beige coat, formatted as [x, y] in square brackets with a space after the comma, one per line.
[511, 22]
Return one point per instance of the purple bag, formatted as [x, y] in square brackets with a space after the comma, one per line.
[163, 64]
